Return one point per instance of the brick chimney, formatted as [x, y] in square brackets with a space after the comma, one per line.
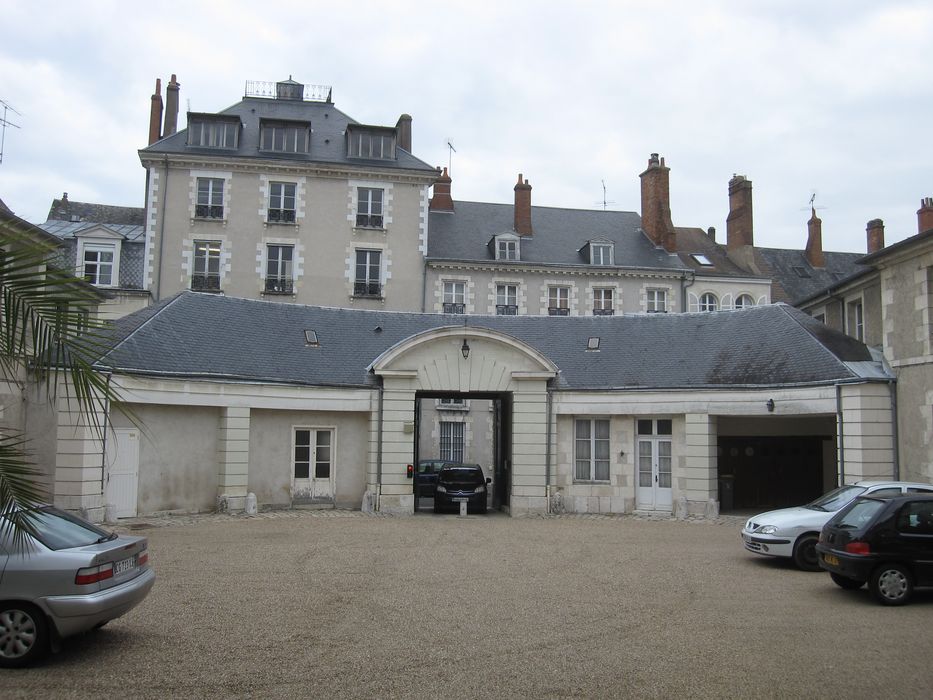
[925, 215]
[155, 113]
[814, 250]
[656, 204]
[739, 231]
[875, 231]
[441, 201]
[522, 207]
[171, 107]
[403, 132]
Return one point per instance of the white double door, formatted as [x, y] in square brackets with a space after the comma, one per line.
[654, 473]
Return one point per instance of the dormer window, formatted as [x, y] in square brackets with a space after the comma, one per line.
[284, 137]
[507, 247]
[211, 131]
[600, 254]
[372, 142]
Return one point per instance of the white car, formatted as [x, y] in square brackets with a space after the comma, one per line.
[793, 532]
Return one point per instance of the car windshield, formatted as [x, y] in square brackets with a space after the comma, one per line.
[466, 476]
[835, 499]
[859, 515]
[57, 529]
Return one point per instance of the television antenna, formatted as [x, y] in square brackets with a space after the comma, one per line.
[605, 203]
[812, 205]
[4, 123]
[450, 151]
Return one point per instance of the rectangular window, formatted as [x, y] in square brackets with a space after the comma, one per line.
[210, 203]
[855, 321]
[591, 449]
[370, 144]
[600, 254]
[506, 300]
[98, 265]
[507, 250]
[282, 202]
[602, 302]
[454, 293]
[367, 282]
[279, 269]
[451, 441]
[657, 301]
[282, 137]
[452, 404]
[313, 453]
[205, 277]
[207, 133]
[369, 207]
[558, 301]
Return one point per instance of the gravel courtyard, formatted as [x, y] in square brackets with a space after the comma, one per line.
[337, 604]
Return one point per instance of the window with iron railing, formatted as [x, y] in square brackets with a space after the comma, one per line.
[558, 301]
[453, 308]
[656, 300]
[602, 302]
[369, 207]
[279, 269]
[205, 275]
[367, 282]
[281, 203]
[210, 204]
[454, 297]
[506, 310]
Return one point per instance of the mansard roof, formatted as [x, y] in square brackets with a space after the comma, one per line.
[328, 136]
[204, 336]
[559, 235]
[794, 279]
[66, 210]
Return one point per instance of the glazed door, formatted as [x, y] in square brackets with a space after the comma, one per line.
[654, 465]
[314, 464]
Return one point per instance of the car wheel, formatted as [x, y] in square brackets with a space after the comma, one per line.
[24, 635]
[891, 584]
[849, 584]
[805, 556]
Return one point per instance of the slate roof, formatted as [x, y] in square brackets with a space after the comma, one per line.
[70, 229]
[696, 241]
[794, 279]
[559, 234]
[65, 210]
[328, 139]
[193, 335]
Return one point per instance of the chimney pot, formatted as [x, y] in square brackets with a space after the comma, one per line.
[155, 113]
[814, 251]
[711, 232]
[875, 234]
[171, 107]
[442, 201]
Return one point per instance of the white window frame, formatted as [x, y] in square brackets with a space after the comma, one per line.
[212, 251]
[709, 302]
[362, 143]
[739, 304]
[369, 266]
[506, 302]
[281, 280]
[279, 195]
[99, 248]
[603, 301]
[213, 199]
[451, 445]
[210, 133]
[313, 458]
[558, 300]
[656, 300]
[282, 137]
[369, 211]
[855, 327]
[507, 249]
[587, 463]
[601, 253]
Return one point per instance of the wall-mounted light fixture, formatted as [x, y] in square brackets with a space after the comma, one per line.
[770, 405]
[465, 349]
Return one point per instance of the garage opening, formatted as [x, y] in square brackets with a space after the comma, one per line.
[791, 466]
[462, 428]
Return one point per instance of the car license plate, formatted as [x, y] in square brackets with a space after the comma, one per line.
[124, 565]
[461, 500]
[831, 559]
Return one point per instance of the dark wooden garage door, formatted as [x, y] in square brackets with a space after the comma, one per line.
[769, 472]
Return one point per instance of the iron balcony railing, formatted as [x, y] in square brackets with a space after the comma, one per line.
[506, 310]
[558, 311]
[367, 289]
[280, 285]
[205, 283]
[282, 216]
[209, 211]
[450, 308]
[369, 220]
[603, 312]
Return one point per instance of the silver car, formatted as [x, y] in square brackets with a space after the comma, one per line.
[793, 532]
[71, 577]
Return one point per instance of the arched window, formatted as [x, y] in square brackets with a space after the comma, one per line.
[709, 302]
[744, 301]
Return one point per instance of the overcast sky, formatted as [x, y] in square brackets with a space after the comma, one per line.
[829, 97]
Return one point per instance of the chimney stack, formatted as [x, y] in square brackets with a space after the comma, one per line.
[522, 207]
[875, 231]
[403, 132]
[711, 232]
[925, 215]
[441, 201]
[171, 107]
[739, 231]
[814, 250]
[656, 204]
[155, 113]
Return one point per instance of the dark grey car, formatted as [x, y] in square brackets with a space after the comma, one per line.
[71, 577]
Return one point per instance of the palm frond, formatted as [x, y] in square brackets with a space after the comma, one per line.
[21, 488]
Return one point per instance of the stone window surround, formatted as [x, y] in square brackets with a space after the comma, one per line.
[385, 266]
[262, 251]
[573, 461]
[193, 177]
[92, 242]
[301, 198]
[520, 298]
[469, 293]
[353, 203]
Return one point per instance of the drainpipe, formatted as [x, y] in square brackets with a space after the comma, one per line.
[379, 450]
[547, 449]
[424, 286]
[841, 436]
[896, 455]
[683, 290]
[158, 294]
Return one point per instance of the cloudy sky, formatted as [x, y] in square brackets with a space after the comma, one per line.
[832, 97]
